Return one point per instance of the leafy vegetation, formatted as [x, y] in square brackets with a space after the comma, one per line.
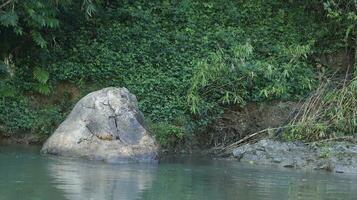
[328, 113]
[185, 60]
[33, 19]
[237, 77]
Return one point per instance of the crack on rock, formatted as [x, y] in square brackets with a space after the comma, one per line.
[117, 136]
[114, 117]
[86, 139]
[90, 131]
[109, 106]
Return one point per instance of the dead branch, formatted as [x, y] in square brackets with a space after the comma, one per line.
[235, 144]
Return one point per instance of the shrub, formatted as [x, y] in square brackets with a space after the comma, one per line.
[15, 116]
[328, 113]
[235, 77]
[166, 134]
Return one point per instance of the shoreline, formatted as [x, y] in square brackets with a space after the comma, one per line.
[331, 156]
[24, 139]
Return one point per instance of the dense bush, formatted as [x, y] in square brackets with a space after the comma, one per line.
[15, 116]
[153, 48]
[236, 77]
[185, 60]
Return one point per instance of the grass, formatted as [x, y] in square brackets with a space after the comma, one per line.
[329, 112]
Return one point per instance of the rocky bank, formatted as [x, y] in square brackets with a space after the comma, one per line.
[339, 157]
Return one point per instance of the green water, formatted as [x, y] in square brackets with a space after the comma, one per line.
[24, 174]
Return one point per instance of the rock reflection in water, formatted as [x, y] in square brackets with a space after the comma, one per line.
[89, 180]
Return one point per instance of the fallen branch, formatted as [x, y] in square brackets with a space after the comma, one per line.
[235, 144]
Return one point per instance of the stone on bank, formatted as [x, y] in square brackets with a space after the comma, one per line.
[105, 125]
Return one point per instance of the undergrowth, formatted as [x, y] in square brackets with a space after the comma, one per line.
[330, 112]
[184, 60]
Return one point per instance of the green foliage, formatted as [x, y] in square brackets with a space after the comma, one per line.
[182, 59]
[221, 79]
[328, 113]
[6, 90]
[153, 48]
[167, 134]
[90, 7]
[9, 19]
[29, 18]
[35, 19]
[235, 77]
[15, 116]
[42, 77]
[344, 13]
[47, 119]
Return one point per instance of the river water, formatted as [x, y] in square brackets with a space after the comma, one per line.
[25, 174]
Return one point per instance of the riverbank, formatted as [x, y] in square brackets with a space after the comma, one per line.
[238, 124]
[333, 156]
[25, 139]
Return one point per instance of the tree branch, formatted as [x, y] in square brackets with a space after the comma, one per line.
[5, 4]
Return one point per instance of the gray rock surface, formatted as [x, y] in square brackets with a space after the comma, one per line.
[104, 125]
[339, 157]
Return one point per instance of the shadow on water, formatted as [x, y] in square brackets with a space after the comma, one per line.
[24, 174]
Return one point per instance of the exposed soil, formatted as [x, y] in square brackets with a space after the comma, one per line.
[237, 122]
[27, 139]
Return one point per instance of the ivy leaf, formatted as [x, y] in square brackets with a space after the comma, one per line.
[9, 19]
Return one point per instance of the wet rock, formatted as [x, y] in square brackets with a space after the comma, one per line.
[339, 157]
[104, 125]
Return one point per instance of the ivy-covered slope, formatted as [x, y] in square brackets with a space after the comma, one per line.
[185, 60]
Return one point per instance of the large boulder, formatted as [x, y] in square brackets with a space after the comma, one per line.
[104, 125]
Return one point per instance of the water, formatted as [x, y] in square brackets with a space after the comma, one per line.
[24, 174]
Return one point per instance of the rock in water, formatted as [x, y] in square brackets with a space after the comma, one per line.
[104, 125]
